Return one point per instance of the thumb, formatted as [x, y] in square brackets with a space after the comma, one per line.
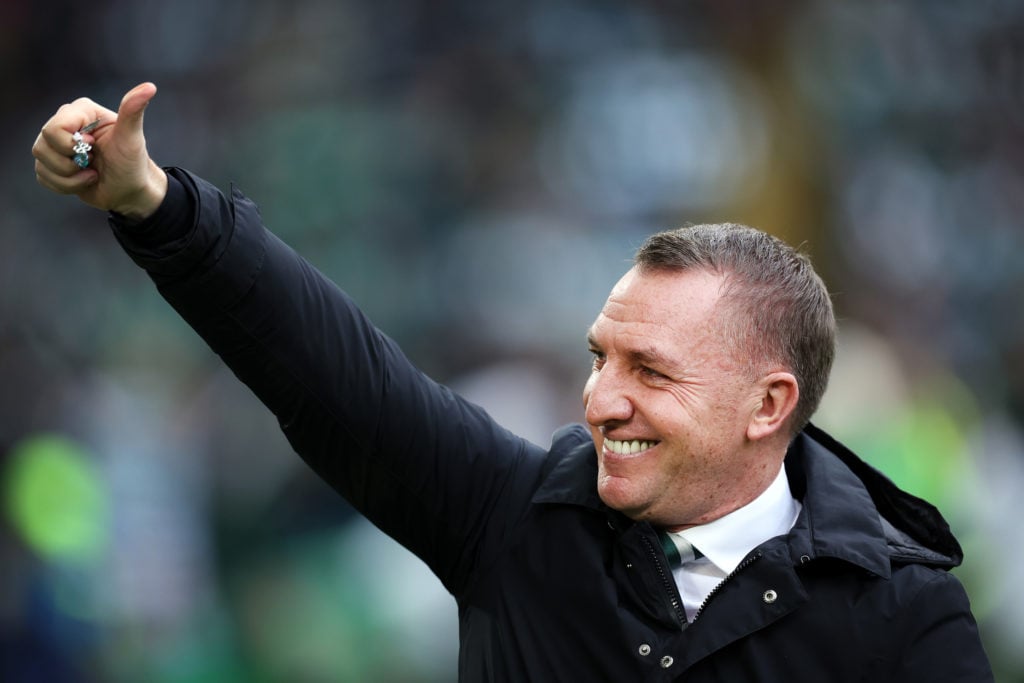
[133, 104]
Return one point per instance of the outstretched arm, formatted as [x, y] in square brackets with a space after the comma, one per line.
[430, 469]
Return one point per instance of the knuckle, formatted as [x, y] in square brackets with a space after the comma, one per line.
[46, 136]
[46, 182]
[39, 147]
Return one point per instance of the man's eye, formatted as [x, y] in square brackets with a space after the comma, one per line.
[598, 359]
[651, 372]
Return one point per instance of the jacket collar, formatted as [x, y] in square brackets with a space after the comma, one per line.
[851, 511]
[838, 519]
[913, 529]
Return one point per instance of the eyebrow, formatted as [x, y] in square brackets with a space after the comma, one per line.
[646, 356]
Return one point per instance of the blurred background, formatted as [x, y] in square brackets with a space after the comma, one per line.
[478, 173]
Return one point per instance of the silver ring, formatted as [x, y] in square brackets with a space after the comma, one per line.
[82, 148]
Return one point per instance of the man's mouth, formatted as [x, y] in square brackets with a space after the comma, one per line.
[628, 447]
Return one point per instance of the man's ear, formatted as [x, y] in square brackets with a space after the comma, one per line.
[779, 394]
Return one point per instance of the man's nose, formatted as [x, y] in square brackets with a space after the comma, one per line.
[607, 398]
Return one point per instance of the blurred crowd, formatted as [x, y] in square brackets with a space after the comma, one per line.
[477, 174]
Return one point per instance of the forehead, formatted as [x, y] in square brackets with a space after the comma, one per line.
[662, 305]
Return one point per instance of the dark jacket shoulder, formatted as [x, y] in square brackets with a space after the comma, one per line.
[860, 513]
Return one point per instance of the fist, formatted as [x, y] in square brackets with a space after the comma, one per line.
[120, 176]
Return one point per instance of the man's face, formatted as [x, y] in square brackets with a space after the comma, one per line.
[668, 404]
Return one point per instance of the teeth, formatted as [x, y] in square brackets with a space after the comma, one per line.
[627, 447]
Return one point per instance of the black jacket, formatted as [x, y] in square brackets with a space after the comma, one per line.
[551, 584]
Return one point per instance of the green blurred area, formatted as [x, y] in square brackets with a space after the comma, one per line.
[55, 499]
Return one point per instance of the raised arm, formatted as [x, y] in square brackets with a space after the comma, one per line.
[430, 469]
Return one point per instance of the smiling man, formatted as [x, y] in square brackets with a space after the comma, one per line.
[698, 529]
[691, 415]
[687, 429]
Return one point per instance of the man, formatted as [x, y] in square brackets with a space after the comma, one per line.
[701, 531]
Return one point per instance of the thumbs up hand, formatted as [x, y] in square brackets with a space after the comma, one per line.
[120, 176]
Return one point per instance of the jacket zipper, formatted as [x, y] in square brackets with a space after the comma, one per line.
[668, 582]
[749, 560]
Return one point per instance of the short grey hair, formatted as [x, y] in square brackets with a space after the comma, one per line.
[780, 310]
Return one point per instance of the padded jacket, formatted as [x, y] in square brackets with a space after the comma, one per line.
[551, 584]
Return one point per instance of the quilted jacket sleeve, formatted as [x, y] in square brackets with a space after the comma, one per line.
[427, 467]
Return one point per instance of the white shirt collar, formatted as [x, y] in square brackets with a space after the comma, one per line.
[727, 540]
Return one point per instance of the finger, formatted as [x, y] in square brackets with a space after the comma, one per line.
[88, 114]
[83, 112]
[73, 117]
[133, 105]
[64, 184]
[59, 161]
[46, 181]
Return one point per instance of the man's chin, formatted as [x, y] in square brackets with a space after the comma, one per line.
[620, 494]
